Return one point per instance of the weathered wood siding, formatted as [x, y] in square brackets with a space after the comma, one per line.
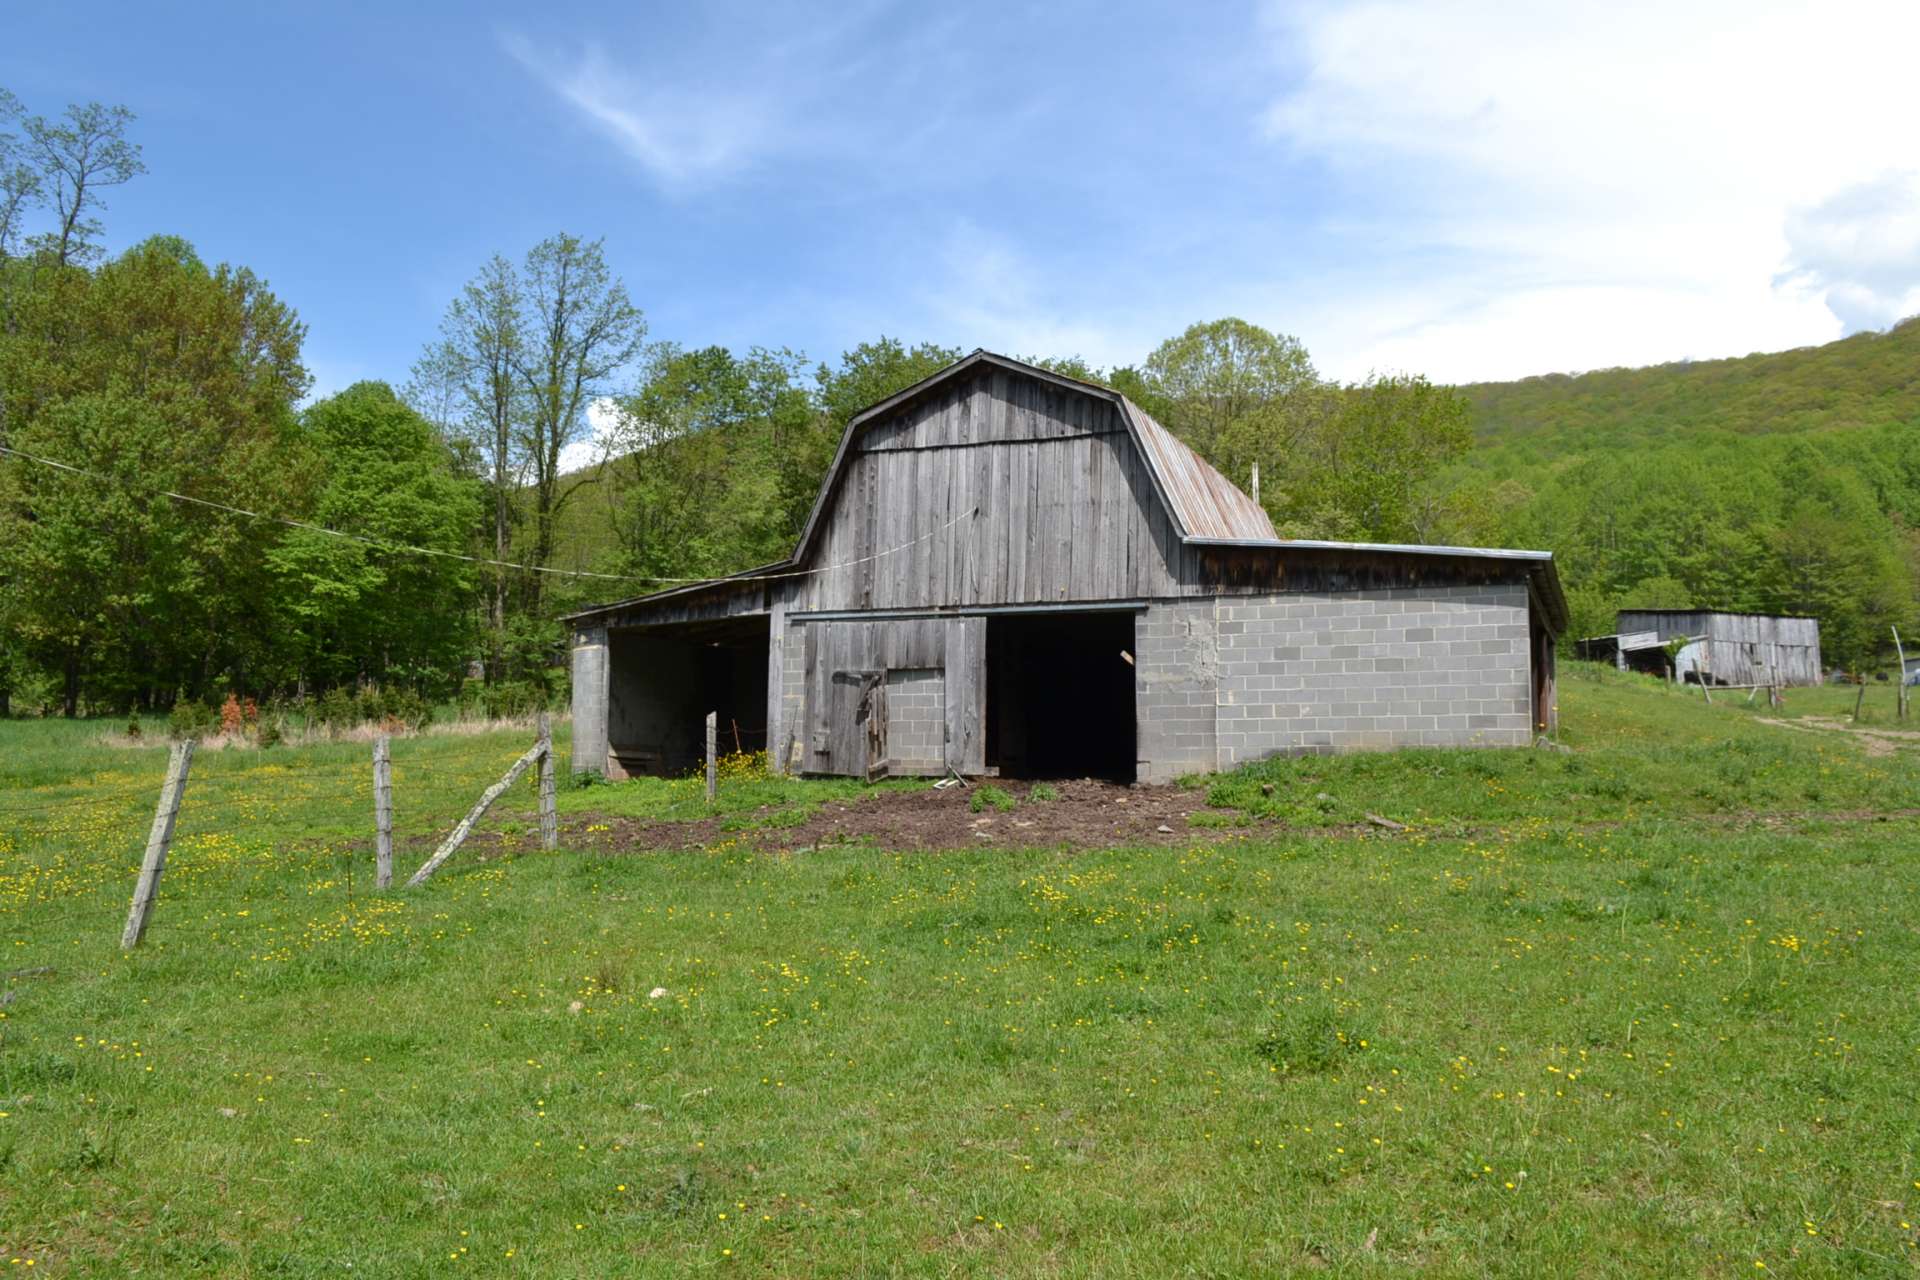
[1740, 648]
[1067, 508]
[843, 660]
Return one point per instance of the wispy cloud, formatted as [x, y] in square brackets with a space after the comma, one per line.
[681, 133]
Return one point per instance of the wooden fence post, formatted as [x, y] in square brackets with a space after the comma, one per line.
[474, 815]
[713, 770]
[158, 839]
[382, 813]
[1900, 653]
[549, 820]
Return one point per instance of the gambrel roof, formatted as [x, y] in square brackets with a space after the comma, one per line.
[1205, 505]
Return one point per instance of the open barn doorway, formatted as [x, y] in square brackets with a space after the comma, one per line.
[663, 680]
[1060, 695]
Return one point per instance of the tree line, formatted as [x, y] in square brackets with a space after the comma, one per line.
[210, 529]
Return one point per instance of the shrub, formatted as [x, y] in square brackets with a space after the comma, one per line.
[190, 719]
[337, 709]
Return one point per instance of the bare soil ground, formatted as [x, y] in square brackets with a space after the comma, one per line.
[1084, 813]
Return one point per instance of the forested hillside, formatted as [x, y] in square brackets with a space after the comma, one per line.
[1786, 481]
[1869, 379]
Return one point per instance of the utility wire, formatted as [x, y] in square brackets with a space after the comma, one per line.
[383, 545]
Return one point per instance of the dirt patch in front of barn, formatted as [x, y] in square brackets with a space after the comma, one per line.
[1084, 813]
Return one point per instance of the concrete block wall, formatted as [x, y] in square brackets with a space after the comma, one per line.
[1436, 666]
[917, 720]
[1176, 682]
[793, 700]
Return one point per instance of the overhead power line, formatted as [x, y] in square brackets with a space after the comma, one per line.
[409, 549]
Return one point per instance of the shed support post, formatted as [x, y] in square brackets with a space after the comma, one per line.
[713, 732]
[591, 676]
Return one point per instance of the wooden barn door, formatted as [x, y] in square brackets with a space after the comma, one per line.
[846, 729]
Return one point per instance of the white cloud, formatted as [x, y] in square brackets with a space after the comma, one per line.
[1861, 249]
[605, 422]
[1609, 184]
[680, 131]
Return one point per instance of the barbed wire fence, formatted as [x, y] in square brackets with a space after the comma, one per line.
[52, 887]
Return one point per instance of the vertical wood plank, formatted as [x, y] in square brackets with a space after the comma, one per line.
[777, 754]
[382, 812]
[1083, 542]
[159, 838]
[977, 566]
[810, 708]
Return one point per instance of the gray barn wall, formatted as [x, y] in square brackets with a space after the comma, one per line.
[1225, 680]
[1176, 688]
[917, 720]
[1437, 666]
[1067, 507]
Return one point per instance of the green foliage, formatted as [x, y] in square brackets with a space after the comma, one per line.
[1355, 463]
[191, 718]
[155, 373]
[987, 796]
[353, 610]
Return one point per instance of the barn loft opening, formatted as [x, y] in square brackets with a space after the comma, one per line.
[1060, 700]
[663, 680]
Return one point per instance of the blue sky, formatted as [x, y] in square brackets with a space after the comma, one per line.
[1464, 188]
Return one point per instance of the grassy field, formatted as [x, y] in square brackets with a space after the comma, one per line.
[1648, 1007]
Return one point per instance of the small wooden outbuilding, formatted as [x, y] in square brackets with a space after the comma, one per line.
[1010, 571]
[1724, 647]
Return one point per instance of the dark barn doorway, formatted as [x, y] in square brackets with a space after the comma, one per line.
[1060, 695]
[663, 680]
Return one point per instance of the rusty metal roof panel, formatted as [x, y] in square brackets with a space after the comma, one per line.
[1206, 503]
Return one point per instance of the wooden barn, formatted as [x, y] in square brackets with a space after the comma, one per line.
[1733, 648]
[1012, 572]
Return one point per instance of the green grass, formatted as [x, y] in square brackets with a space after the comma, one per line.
[1514, 1041]
[1642, 749]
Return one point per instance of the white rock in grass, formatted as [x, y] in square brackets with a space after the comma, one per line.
[656, 993]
